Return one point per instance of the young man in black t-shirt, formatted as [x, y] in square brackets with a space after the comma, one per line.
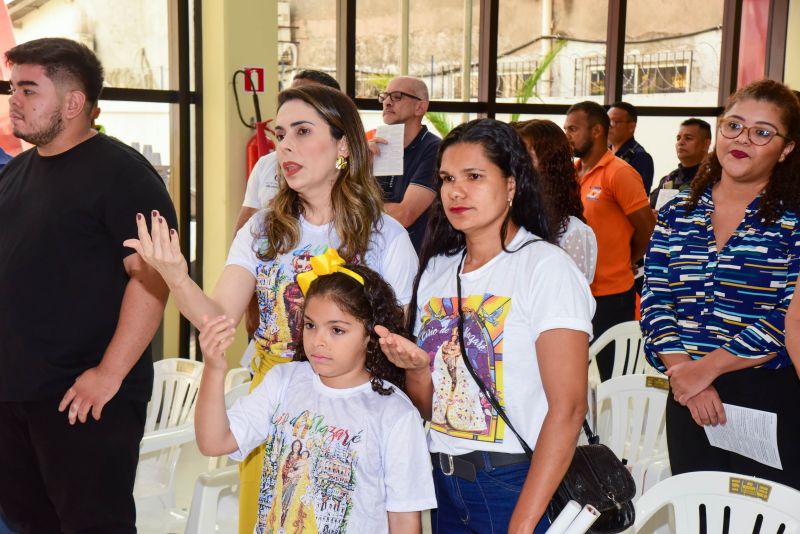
[77, 309]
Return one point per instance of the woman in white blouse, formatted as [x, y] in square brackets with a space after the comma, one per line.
[558, 185]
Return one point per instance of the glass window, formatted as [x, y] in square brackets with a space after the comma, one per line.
[438, 49]
[437, 122]
[551, 52]
[306, 38]
[671, 58]
[130, 37]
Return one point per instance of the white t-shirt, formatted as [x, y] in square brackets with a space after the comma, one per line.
[579, 242]
[280, 301]
[507, 303]
[262, 184]
[336, 460]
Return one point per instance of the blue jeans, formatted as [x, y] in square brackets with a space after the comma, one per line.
[481, 507]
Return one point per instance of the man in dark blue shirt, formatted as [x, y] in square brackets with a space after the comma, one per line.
[622, 117]
[691, 145]
[409, 195]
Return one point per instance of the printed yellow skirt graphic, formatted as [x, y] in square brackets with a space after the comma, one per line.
[250, 469]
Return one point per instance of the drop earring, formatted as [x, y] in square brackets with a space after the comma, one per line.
[341, 163]
[510, 202]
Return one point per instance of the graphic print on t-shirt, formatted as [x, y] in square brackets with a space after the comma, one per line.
[309, 475]
[280, 301]
[459, 407]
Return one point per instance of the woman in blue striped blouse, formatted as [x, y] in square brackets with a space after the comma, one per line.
[720, 272]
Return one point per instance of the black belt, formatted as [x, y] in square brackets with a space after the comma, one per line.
[466, 466]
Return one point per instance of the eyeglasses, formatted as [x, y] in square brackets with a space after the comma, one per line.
[396, 96]
[758, 135]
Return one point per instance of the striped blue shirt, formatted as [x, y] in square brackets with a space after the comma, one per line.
[696, 300]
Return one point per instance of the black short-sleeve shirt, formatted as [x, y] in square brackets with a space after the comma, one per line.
[63, 219]
[419, 160]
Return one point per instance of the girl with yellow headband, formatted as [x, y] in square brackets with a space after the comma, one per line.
[327, 198]
[345, 448]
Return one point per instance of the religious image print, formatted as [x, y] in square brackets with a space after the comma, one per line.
[460, 409]
[309, 475]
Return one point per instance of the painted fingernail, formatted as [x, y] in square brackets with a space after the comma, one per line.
[161, 219]
[154, 213]
[173, 231]
[139, 216]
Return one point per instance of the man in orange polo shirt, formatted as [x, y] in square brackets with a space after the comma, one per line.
[616, 207]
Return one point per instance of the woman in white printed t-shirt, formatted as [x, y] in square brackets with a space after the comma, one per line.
[526, 314]
[327, 198]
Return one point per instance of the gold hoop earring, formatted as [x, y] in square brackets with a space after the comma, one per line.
[341, 163]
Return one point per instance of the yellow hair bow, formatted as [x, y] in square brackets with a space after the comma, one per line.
[323, 264]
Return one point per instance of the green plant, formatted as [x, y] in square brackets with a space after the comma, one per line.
[439, 121]
[528, 89]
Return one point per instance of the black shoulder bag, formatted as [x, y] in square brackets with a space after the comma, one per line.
[596, 476]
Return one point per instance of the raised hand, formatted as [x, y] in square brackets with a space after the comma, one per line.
[216, 335]
[402, 352]
[161, 249]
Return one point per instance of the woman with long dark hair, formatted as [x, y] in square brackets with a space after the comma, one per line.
[558, 182]
[720, 273]
[493, 286]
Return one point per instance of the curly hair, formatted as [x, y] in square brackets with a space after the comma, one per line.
[504, 147]
[558, 182]
[783, 189]
[372, 303]
[356, 198]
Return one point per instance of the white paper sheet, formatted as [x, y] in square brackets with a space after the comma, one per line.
[664, 196]
[751, 433]
[390, 161]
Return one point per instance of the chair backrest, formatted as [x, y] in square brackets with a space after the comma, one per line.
[631, 416]
[236, 376]
[175, 385]
[628, 348]
[724, 502]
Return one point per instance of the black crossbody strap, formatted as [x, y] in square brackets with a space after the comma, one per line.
[488, 393]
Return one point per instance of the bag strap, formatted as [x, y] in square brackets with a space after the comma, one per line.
[488, 393]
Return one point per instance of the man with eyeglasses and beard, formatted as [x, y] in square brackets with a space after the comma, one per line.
[409, 195]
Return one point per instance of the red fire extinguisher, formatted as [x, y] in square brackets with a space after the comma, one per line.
[259, 145]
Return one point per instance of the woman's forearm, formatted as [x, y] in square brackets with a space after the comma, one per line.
[554, 451]
[419, 387]
[193, 303]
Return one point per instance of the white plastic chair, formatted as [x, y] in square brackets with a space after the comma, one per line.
[631, 421]
[215, 501]
[236, 376]
[628, 351]
[719, 499]
[169, 424]
[628, 358]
